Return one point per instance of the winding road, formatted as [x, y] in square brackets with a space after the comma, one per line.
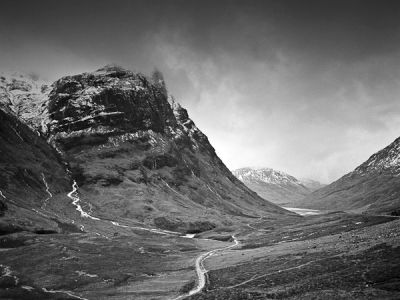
[201, 271]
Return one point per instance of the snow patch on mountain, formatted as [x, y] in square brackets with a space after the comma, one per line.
[266, 175]
[26, 96]
[276, 186]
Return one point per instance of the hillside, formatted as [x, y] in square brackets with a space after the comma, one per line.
[28, 166]
[373, 187]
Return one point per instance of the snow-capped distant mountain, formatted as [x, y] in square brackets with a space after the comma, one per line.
[275, 186]
[26, 96]
[374, 186]
[266, 175]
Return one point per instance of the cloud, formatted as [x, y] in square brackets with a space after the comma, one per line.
[310, 87]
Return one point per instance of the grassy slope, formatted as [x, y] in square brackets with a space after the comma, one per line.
[25, 159]
[336, 256]
[375, 193]
[121, 264]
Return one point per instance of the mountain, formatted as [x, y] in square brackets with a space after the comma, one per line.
[108, 190]
[374, 186]
[312, 185]
[26, 96]
[132, 150]
[275, 186]
[104, 181]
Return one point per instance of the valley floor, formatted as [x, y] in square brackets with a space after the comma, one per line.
[328, 256]
[333, 256]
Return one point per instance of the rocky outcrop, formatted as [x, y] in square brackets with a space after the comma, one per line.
[108, 102]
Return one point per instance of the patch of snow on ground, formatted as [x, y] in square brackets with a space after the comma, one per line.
[83, 273]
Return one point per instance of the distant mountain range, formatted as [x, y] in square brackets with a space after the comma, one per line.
[373, 187]
[276, 186]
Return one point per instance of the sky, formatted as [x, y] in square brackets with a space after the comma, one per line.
[307, 87]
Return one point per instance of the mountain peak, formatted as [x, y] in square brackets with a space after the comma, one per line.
[108, 102]
[25, 95]
[267, 175]
[385, 159]
[273, 185]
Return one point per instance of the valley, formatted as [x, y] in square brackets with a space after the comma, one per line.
[200, 150]
[276, 186]
[108, 190]
[334, 256]
[317, 256]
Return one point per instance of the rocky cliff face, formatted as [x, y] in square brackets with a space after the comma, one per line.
[374, 186]
[272, 185]
[134, 152]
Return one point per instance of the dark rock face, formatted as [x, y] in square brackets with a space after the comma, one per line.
[374, 186]
[3, 207]
[114, 98]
